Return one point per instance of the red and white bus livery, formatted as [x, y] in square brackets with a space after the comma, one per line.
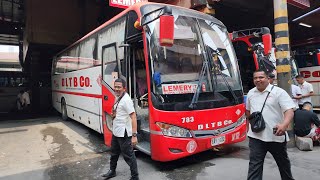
[186, 90]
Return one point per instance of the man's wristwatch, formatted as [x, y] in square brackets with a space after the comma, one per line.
[134, 134]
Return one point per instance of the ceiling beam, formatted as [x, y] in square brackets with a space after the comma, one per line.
[11, 28]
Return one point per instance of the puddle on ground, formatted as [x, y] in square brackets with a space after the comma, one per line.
[60, 146]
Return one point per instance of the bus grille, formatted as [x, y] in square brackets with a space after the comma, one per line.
[216, 132]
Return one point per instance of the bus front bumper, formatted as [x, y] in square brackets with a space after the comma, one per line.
[164, 148]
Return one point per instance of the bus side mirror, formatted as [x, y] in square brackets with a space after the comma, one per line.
[267, 43]
[166, 26]
[166, 32]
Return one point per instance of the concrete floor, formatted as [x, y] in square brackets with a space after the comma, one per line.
[48, 148]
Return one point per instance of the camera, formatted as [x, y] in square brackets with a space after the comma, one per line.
[274, 130]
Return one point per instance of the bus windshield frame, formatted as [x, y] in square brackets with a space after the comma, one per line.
[202, 59]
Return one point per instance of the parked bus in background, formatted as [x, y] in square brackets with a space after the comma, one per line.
[254, 51]
[11, 83]
[12, 79]
[249, 47]
[181, 72]
[308, 61]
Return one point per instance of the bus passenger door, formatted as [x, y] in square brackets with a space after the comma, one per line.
[138, 90]
[110, 72]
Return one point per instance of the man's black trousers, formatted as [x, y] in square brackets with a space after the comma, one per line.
[123, 145]
[258, 151]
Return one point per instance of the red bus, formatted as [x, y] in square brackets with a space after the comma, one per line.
[186, 90]
[254, 51]
[252, 55]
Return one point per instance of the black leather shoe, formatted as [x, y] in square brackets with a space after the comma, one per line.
[109, 174]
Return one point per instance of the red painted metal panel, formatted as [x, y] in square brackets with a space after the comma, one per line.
[209, 119]
[107, 104]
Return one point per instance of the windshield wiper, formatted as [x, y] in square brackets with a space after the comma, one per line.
[195, 97]
[225, 80]
[230, 89]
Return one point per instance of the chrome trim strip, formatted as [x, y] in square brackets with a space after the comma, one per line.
[156, 132]
[216, 132]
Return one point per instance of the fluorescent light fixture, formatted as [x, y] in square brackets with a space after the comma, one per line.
[305, 25]
[306, 14]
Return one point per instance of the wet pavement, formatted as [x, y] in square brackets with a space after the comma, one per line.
[49, 148]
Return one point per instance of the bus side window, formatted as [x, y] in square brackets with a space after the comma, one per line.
[110, 73]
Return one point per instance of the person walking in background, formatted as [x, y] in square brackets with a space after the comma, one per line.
[277, 113]
[296, 91]
[307, 123]
[124, 131]
[25, 100]
[306, 89]
[19, 100]
[296, 94]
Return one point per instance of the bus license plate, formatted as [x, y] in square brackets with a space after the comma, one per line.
[218, 140]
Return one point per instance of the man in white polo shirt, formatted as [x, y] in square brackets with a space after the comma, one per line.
[277, 114]
[296, 94]
[306, 89]
[124, 132]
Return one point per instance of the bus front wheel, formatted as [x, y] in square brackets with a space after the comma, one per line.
[64, 114]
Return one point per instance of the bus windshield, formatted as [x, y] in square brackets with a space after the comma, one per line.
[202, 59]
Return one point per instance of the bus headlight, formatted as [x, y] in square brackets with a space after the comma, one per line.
[241, 120]
[173, 131]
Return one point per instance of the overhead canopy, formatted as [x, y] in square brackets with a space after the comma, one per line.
[11, 21]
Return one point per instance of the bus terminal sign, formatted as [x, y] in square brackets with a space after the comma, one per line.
[124, 3]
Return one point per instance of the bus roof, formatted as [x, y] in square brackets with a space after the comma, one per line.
[136, 7]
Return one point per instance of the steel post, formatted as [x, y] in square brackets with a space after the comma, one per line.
[283, 53]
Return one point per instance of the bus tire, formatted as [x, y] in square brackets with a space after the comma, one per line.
[64, 113]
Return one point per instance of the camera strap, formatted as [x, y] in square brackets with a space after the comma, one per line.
[266, 99]
[117, 102]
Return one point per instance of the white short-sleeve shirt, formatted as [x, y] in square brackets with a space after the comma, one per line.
[295, 92]
[122, 121]
[277, 103]
[25, 99]
[306, 88]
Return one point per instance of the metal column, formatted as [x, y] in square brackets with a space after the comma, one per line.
[281, 29]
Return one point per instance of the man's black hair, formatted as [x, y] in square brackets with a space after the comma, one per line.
[306, 103]
[261, 70]
[299, 76]
[122, 81]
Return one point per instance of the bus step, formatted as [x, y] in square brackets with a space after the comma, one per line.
[144, 135]
[147, 130]
[144, 147]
